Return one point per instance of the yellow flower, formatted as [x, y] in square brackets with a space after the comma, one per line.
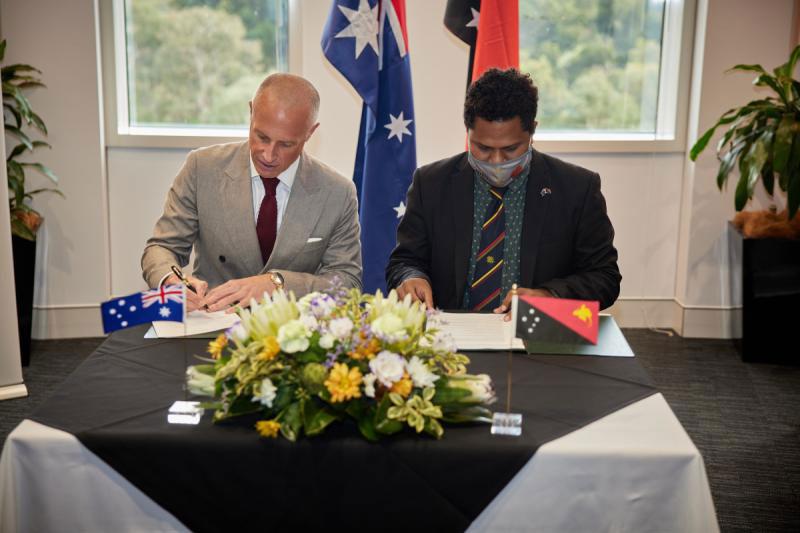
[343, 383]
[270, 349]
[402, 386]
[365, 348]
[268, 428]
[216, 346]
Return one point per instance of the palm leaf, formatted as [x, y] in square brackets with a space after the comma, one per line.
[43, 169]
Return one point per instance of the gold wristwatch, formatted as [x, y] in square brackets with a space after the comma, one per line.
[276, 278]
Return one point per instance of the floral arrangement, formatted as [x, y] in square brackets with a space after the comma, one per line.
[302, 365]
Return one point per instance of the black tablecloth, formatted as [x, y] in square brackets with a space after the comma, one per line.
[223, 477]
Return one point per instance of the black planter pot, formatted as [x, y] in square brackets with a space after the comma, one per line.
[24, 267]
[770, 297]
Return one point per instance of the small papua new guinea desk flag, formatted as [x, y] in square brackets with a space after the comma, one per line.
[557, 320]
[165, 303]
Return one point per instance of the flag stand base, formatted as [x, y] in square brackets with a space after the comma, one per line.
[509, 424]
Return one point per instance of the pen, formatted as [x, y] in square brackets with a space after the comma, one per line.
[177, 272]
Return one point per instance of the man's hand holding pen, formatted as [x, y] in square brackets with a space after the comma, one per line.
[196, 295]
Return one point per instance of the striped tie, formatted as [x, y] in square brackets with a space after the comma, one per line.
[485, 290]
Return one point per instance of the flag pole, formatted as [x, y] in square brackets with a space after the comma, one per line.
[514, 302]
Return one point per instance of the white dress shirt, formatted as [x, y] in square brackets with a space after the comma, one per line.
[281, 192]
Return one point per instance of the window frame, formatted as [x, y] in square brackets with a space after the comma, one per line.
[673, 97]
[111, 31]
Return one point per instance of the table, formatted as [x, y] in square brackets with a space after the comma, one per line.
[634, 469]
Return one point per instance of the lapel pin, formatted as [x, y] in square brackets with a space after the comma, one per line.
[544, 192]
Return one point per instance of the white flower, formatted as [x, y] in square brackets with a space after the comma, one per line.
[420, 374]
[444, 342]
[479, 387]
[326, 341]
[318, 304]
[265, 393]
[304, 303]
[310, 321]
[369, 385]
[388, 327]
[293, 336]
[341, 328]
[388, 367]
[199, 383]
[239, 332]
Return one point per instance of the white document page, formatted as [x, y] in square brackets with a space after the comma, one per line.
[197, 322]
[478, 331]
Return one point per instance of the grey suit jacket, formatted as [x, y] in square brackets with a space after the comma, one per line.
[210, 207]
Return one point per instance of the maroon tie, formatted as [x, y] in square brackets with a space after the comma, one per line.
[267, 223]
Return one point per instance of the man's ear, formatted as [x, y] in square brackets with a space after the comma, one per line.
[311, 131]
[250, 105]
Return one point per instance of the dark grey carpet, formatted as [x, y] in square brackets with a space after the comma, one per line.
[744, 418]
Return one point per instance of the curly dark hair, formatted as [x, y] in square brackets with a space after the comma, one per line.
[502, 95]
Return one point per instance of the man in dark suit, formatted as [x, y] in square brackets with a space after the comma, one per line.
[503, 213]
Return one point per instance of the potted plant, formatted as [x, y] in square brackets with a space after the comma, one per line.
[20, 120]
[763, 142]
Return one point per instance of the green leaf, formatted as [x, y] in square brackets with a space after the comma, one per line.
[729, 116]
[783, 142]
[701, 143]
[449, 395]
[752, 68]
[21, 135]
[13, 110]
[9, 71]
[18, 149]
[2, 49]
[367, 428]
[740, 198]
[793, 194]
[44, 170]
[725, 167]
[292, 421]
[384, 424]
[765, 80]
[758, 157]
[768, 178]
[38, 122]
[315, 417]
[309, 356]
[50, 189]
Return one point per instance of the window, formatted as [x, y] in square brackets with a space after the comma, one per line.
[189, 67]
[606, 69]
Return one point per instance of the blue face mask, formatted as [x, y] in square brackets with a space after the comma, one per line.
[501, 174]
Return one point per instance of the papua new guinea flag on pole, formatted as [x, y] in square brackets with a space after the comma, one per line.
[557, 320]
[367, 41]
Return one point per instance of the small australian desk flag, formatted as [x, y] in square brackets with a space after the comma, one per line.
[367, 41]
[165, 303]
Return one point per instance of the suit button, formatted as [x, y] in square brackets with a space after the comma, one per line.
[222, 259]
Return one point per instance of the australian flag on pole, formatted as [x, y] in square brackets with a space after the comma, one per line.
[366, 40]
[165, 303]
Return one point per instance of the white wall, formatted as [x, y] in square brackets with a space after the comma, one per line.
[72, 257]
[733, 32]
[667, 214]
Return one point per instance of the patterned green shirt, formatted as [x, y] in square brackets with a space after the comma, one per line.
[514, 202]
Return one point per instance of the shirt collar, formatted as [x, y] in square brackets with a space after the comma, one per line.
[286, 177]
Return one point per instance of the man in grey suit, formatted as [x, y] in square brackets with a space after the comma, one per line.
[261, 214]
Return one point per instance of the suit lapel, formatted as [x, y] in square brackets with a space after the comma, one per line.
[236, 197]
[302, 212]
[461, 205]
[537, 204]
